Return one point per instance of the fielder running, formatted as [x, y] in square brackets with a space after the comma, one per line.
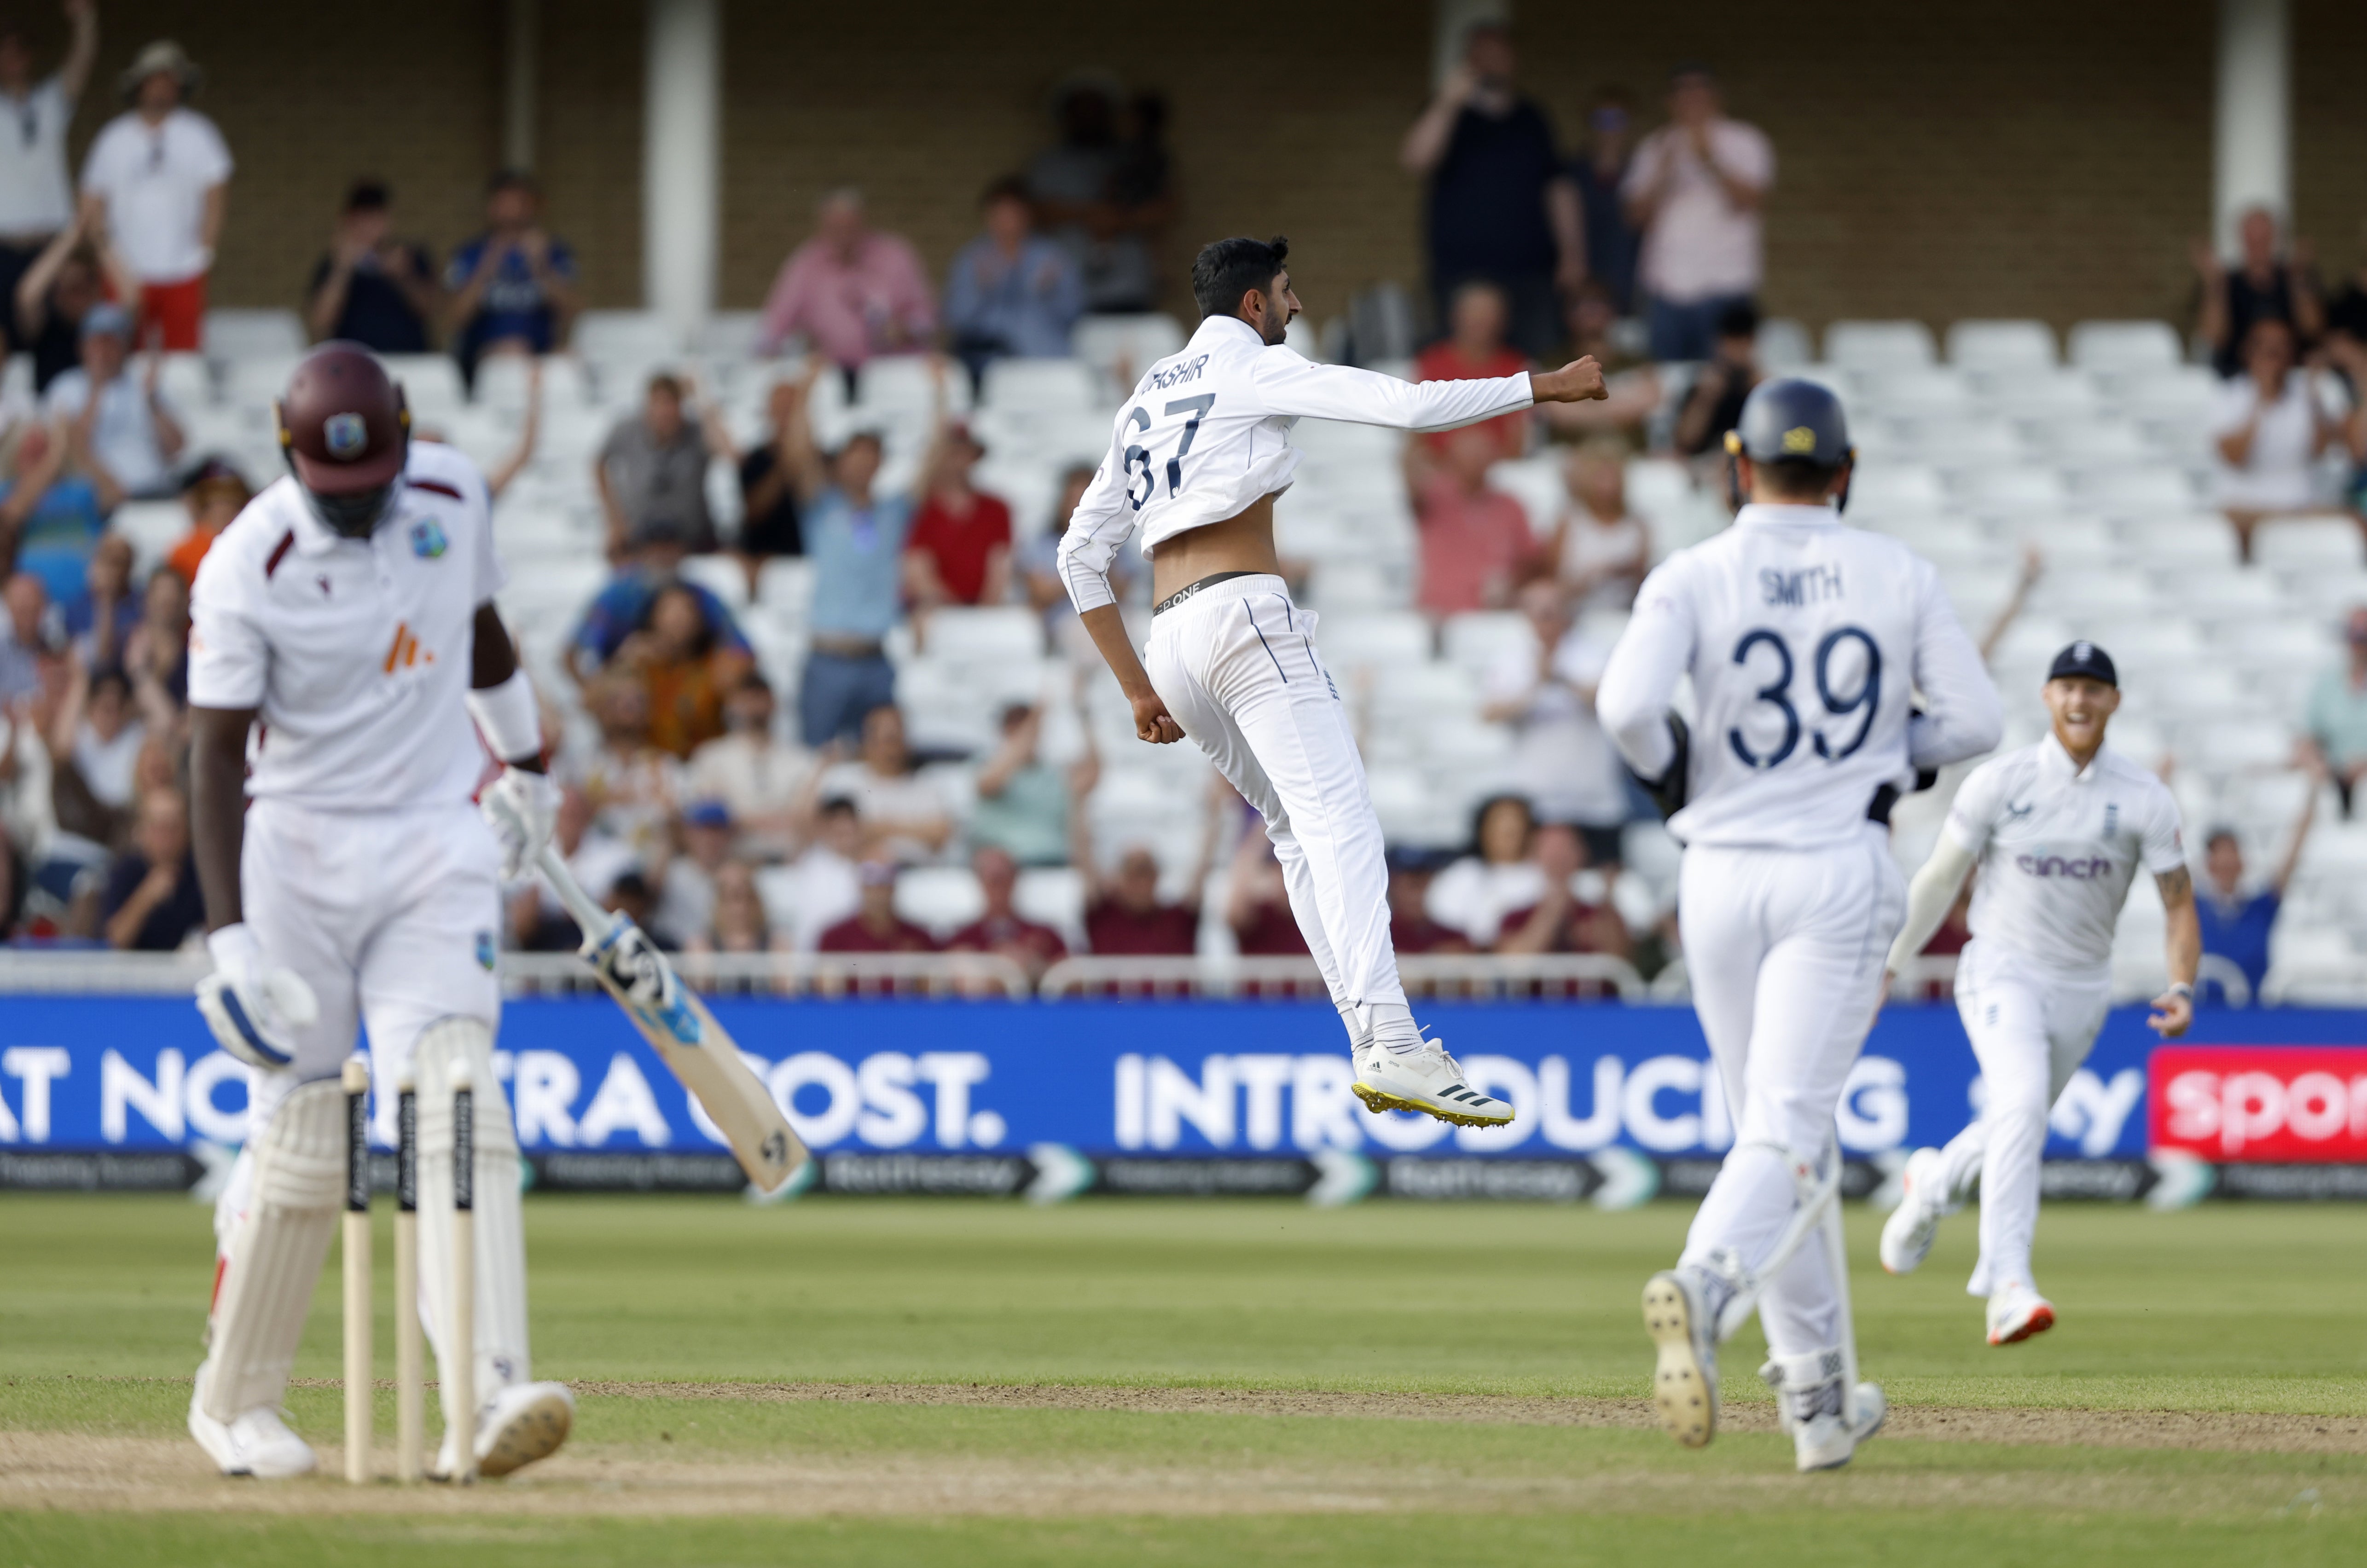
[344, 637]
[1806, 642]
[2059, 831]
[1198, 454]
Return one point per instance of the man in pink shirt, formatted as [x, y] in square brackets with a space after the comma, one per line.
[1475, 542]
[1695, 188]
[852, 292]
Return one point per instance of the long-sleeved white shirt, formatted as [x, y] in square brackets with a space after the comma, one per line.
[1207, 433]
[1807, 641]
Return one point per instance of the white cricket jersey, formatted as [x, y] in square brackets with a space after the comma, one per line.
[1807, 641]
[354, 653]
[1207, 433]
[2058, 847]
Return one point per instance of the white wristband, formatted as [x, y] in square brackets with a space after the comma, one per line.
[507, 716]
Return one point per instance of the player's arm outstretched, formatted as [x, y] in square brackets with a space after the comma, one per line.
[1294, 388]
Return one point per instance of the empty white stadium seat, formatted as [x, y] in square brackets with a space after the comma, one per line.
[2092, 442]
[2035, 396]
[2182, 541]
[1349, 642]
[2280, 639]
[1031, 387]
[2015, 491]
[985, 634]
[1476, 639]
[154, 527]
[730, 334]
[1122, 347]
[1415, 691]
[2221, 596]
[2119, 347]
[1784, 343]
[943, 897]
[626, 337]
[2319, 540]
[431, 382]
[1923, 391]
[785, 586]
[719, 575]
[1953, 443]
[259, 380]
[1888, 487]
[503, 380]
[232, 334]
[2001, 346]
[1878, 345]
[903, 383]
[2125, 492]
[1537, 484]
[1053, 895]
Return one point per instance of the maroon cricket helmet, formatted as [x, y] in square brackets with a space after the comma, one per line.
[343, 423]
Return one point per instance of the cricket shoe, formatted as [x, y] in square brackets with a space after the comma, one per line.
[1426, 1079]
[522, 1423]
[1681, 1308]
[1907, 1236]
[2017, 1312]
[1827, 1419]
[256, 1443]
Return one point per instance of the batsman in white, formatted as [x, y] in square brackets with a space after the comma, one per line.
[1196, 457]
[343, 638]
[2059, 831]
[1807, 641]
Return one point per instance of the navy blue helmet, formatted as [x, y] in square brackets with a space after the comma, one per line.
[1789, 418]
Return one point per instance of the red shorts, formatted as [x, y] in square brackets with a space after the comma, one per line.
[173, 315]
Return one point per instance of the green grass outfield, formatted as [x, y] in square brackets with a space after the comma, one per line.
[2250, 1319]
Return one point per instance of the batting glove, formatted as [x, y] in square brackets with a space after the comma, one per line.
[522, 808]
[252, 1006]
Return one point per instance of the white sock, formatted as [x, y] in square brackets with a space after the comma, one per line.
[1391, 1024]
[1351, 1019]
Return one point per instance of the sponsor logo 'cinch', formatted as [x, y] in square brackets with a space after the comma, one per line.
[2086, 868]
[405, 651]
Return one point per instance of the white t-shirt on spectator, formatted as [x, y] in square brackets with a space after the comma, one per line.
[1699, 244]
[809, 895]
[36, 197]
[123, 437]
[153, 179]
[1473, 895]
[2280, 471]
[106, 765]
[910, 797]
[1562, 762]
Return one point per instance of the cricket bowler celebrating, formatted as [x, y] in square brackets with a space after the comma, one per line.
[1198, 454]
[344, 638]
[1806, 642]
[2059, 831]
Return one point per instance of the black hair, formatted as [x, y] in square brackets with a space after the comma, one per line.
[839, 805]
[1226, 269]
[1739, 319]
[1684, 68]
[754, 680]
[511, 179]
[1005, 187]
[369, 195]
[1479, 816]
[111, 675]
[2211, 840]
[1796, 479]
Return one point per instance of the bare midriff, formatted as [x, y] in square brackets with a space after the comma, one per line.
[1240, 543]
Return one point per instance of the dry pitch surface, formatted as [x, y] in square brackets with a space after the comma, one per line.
[962, 1381]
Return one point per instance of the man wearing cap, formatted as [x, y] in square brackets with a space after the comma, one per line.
[155, 182]
[2059, 830]
[349, 675]
[121, 434]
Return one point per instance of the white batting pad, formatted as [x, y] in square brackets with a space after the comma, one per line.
[276, 1250]
[500, 1333]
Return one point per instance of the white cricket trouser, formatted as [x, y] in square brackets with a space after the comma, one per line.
[1784, 949]
[1236, 667]
[2031, 1025]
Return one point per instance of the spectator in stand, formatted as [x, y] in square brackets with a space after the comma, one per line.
[50, 521]
[1598, 174]
[1103, 200]
[122, 436]
[1411, 928]
[1124, 916]
[684, 668]
[1002, 931]
[95, 739]
[214, 493]
[2237, 924]
[1562, 762]
[1023, 802]
[1257, 901]
[629, 784]
[1560, 920]
[622, 608]
[959, 549]
[1475, 350]
[2268, 428]
[850, 291]
[156, 655]
[1501, 206]
[2337, 738]
[1633, 383]
[370, 287]
[1475, 541]
[1010, 292]
[631, 897]
[1696, 190]
[102, 621]
[157, 181]
[1714, 404]
[823, 885]
[768, 499]
[151, 903]
[1039, 573]
[537, 922]
[36, 192]
[29, 637]
[856, 539]
[686, 892]
[1599, 550]
[905, 817]
[65, 283]
[738, 921]
[759, 778]
[511, 289]
[652, 471]
[2264, 286]
[875, 927]
[1494, 877]
[1142, 187]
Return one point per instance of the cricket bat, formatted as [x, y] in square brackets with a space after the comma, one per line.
[684, 1033]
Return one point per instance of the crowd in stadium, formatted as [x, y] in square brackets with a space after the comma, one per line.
[826, 693]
